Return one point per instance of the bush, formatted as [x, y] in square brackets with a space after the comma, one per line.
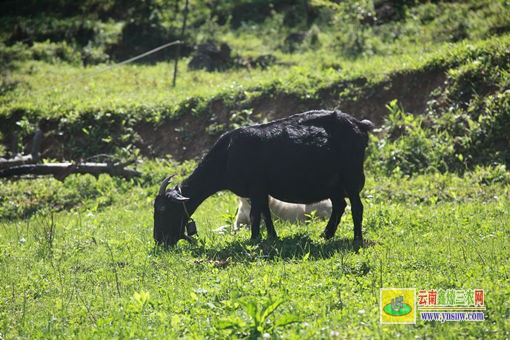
[449, 141]
[408, 146]
[55, 52]
[9, 54]
[489, 138]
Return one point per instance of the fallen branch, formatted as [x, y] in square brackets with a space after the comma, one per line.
[22, 165]
[24, 159]
[62, 170]
[18, 160]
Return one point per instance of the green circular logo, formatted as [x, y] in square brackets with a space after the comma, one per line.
[404, 310]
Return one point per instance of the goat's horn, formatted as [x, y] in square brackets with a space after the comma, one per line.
[164, 184]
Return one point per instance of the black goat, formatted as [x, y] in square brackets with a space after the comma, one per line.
[305, 158]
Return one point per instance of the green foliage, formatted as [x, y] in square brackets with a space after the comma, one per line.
[241, 118]
[350, 28]
[91, 270]
[54, 52]
[75, 40]
[466, 123]
[24, 198]
[412, 145]
[259, 323]
[94, 133]
[9, 54]
[409, 146]
[147, 29]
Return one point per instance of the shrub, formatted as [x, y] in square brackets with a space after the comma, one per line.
[408, 146]
[54, 52]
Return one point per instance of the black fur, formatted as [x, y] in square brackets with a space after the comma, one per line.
[304, 158]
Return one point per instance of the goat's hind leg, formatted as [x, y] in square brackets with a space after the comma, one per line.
[260, 205]
[336, 214]
[271, 232]
[357, 217]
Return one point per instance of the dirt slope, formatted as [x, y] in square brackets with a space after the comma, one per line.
[186, 138]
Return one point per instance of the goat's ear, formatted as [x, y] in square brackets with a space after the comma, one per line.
[176, 196]
[181, 198]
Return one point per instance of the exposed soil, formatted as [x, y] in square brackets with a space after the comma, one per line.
[186, 137]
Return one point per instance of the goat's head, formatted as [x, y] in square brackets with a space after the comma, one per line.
[171, 217]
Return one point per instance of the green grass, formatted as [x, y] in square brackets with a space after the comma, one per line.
[111, 111]
[77, 258]
[56, 91]
[91, 270]
[422, 35]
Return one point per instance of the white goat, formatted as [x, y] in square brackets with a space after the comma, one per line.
[292, 212]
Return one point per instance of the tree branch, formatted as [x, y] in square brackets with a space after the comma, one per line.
[62, 170]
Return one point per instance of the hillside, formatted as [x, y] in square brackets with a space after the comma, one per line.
[352, 56]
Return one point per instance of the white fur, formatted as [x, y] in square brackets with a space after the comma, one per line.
[292, 212]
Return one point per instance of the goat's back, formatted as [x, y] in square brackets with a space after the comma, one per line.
[304, 158]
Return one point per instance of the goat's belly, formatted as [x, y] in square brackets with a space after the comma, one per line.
[306, 191]
[300, 199]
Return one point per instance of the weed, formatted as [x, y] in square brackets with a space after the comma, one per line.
[259, 322]
[44, 234]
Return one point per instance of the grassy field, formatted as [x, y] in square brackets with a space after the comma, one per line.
[91, 269]
[77, 258]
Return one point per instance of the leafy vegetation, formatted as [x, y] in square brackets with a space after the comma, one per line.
[77, 258]
[107, 114]
[107, 109]
[92, 269]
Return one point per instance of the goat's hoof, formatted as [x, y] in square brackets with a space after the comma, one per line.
[272, 236]
[256, 237]
[357, 243]
[327, 236]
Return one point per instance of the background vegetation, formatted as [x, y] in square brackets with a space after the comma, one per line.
[355, 55]
[76, 257]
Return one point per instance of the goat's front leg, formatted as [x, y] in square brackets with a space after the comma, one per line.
[255, 220]
[336, 214]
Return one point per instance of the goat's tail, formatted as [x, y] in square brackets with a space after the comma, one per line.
[366, 125]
